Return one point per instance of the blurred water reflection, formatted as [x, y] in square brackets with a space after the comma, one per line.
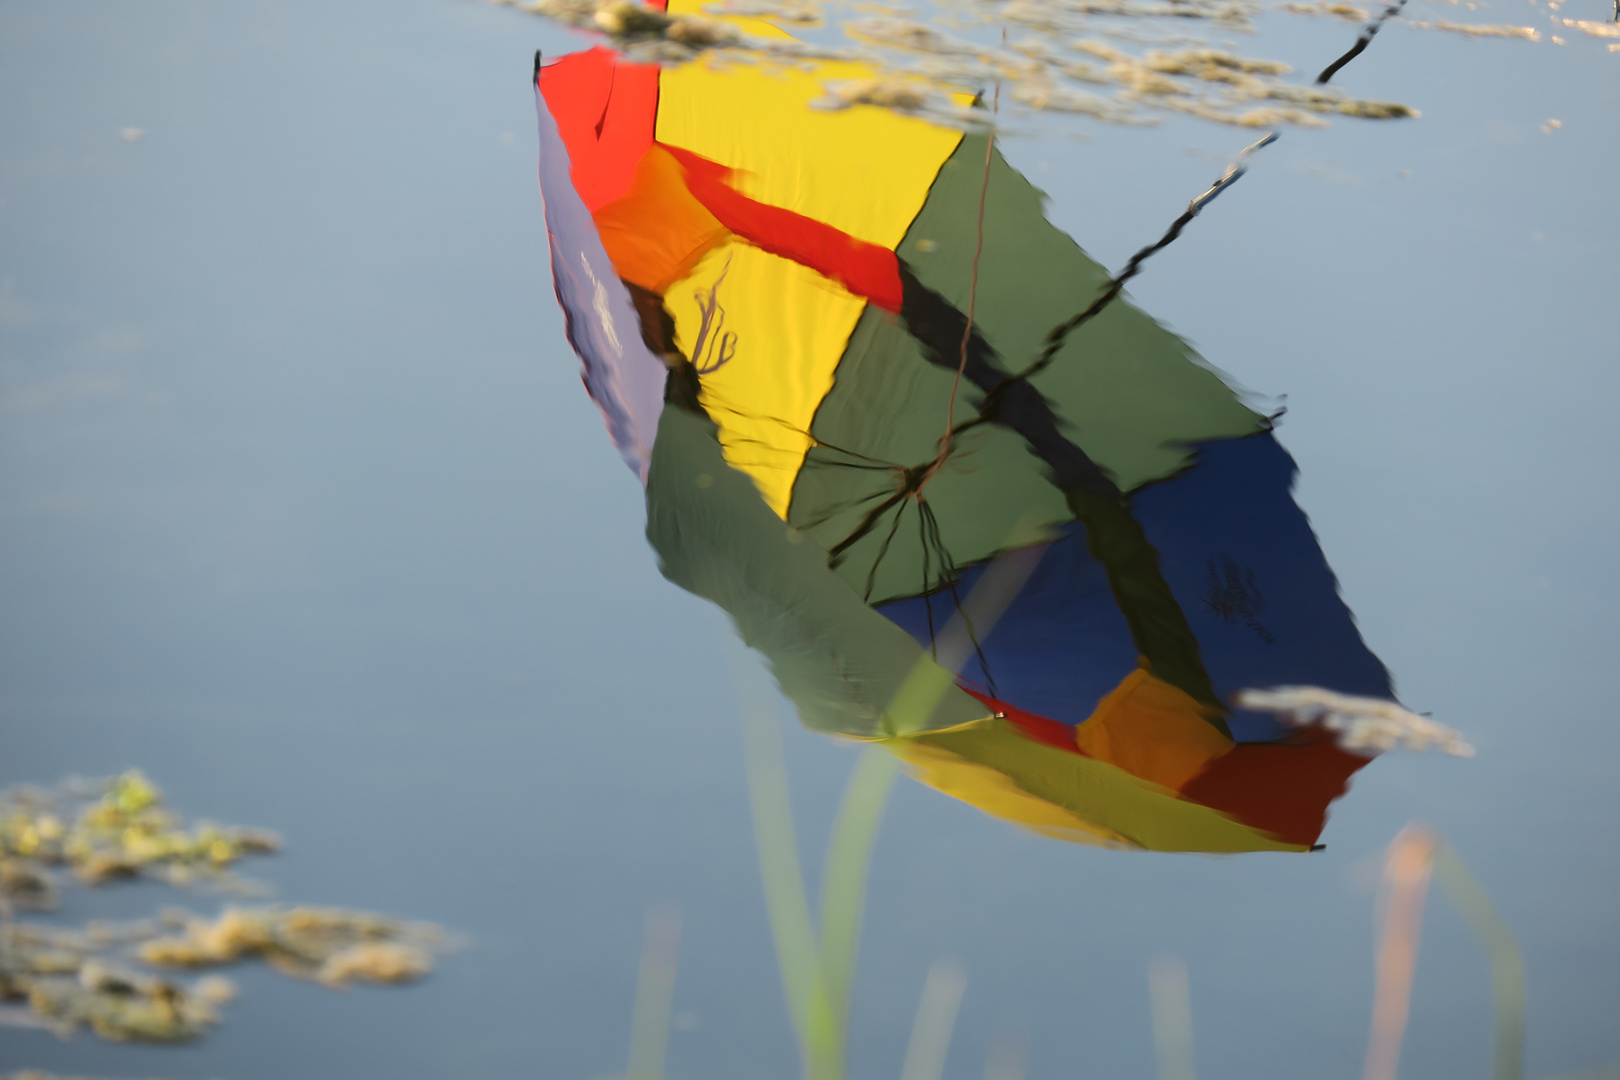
[299, 517]
[879, 366]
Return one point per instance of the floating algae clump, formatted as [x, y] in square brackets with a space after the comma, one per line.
[126, 832]
[325, 944]
[67, 985]
[644, 33]
[84, 978]
[913, 67]
[123, 1005]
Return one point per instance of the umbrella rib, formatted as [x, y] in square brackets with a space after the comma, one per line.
[867, 525]
[871, 575]
[949, 568]
[928, 603]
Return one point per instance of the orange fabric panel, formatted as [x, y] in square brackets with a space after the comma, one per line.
[605, 110]
[657, 232]
[1152, 730]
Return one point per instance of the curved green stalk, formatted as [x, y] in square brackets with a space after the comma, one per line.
[1507, 965]
[843, 880]
[780, 869]
[655, 996]
[936, 1019]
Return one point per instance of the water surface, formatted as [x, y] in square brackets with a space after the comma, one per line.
[308, 516]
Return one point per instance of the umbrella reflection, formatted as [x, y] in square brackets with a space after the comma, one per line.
[854, 363]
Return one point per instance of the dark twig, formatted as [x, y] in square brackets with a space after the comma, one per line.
[1367, 34]
[1055, 339]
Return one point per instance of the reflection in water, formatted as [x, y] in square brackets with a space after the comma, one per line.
[840, 349]
[1116, 61]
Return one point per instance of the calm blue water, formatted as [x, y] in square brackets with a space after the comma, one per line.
[304, 512]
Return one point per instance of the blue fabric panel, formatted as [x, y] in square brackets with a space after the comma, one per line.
[1244, 565]
[1241, 559]
[1059, 648]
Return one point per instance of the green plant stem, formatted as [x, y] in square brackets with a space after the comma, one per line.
[843, 881]
[1507, 965]
[817, 981]
[655, 996]
[781, 871]
[936, 1019]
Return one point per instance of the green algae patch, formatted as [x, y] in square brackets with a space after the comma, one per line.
[73, 979]
[126, 832]
[327, 945]
[118, 980]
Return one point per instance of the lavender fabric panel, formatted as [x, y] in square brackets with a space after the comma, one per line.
[624, 378]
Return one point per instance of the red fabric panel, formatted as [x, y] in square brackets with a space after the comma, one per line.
[1037, 728]
[864, 269]
[605, 109]
[1283, 788]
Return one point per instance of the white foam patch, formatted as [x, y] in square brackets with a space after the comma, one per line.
[1361, 723]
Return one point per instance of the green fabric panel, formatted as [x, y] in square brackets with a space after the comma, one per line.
[839, 661]
[1134, 393]
[1130, 393]
[1127, 391]
[992, 494]
[1100, 793]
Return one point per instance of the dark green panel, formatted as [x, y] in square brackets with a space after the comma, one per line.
[1132, 393]
[838, 660]
[991, 494]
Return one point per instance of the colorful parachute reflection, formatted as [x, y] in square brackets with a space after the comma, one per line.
[785, 313]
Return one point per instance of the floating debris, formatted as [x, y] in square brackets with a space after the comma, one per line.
[646, 34]
[27, 885]
[897, 94]
[326, 945]
[1495, 30]
[1362, 723]
[774, 10]
[127, 832]
[1349, 12]
[379, 962]
[73, 979]
[68, 986]
[918, 69]
[914, 97]
[1594, 28]
[123, 1005]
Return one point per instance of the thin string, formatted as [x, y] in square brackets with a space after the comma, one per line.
[973, 279]
[1367, 34]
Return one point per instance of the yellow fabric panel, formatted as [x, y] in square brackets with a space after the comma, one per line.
[657, 232]
[865, 171]
[993, 793]
[790, 326]
[1152, 730]
[994, 767]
